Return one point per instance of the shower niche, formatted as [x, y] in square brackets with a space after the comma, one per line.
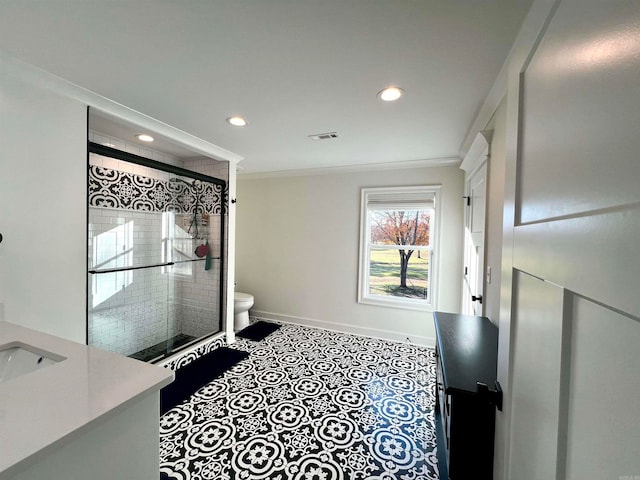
[156, 243]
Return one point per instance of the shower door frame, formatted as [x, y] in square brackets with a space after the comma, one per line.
[110, 152]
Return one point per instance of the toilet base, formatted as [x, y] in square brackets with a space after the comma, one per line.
[241, 321]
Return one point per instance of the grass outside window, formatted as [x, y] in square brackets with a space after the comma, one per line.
[384, 274]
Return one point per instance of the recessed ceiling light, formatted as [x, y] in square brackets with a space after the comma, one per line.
[236, 121]
[390, 94]
[143, 137]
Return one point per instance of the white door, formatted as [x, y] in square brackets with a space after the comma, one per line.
[473, 284]
[569, 349]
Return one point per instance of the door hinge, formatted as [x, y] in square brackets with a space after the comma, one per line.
[493, 397]
[468, 199]
[466, 270]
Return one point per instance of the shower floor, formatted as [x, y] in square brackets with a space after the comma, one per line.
[159, 349]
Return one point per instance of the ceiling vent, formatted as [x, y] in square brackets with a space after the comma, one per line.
[323, 136]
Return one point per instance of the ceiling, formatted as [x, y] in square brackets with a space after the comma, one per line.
[293, 68]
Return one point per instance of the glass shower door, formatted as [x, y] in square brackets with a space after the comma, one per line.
[129, 310]
[154, 266]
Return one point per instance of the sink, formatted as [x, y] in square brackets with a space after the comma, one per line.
[17, 359]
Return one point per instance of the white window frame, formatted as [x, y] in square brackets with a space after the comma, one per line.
[398, 193]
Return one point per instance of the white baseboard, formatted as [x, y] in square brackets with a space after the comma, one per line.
[345, 328]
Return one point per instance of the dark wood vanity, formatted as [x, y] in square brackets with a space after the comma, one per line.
[466, 393]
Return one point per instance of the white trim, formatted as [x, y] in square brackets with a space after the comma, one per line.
[228, 321]
[397, 302]
[41, 78]
[345, 328]
[478, 152]
[367, 167]
[422, 248]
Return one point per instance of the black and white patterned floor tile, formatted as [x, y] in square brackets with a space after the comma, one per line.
[309, 404]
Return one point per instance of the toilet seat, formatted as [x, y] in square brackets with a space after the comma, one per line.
[242, 297]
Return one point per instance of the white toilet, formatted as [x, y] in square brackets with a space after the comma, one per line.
[242, 302]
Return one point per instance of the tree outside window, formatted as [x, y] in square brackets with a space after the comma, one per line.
[390, 270]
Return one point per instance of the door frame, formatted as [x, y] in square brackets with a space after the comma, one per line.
[476, 158]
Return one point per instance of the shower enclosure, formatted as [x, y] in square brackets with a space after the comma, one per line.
[155, 254]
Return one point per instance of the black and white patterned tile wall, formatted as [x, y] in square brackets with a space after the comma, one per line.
[309, 404]
[109, 188]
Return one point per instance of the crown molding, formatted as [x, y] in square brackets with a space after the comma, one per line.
[368, 167]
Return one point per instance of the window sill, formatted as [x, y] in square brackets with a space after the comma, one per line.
[397, 303]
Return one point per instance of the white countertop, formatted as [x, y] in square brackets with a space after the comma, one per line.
[42, 410]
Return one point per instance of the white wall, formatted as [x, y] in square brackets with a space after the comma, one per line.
[43, 208]
[297, 244]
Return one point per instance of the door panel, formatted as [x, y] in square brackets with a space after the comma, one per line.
[592, 254]
[582, 78]
[603, 421]
[536, 329]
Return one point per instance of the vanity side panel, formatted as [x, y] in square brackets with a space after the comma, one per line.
[125, 446]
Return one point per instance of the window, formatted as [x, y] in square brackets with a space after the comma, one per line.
[398, 255]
